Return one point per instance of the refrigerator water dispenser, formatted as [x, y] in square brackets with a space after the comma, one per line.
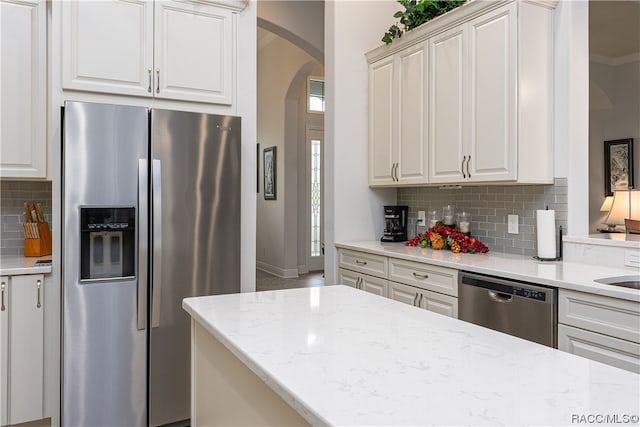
[107, 244]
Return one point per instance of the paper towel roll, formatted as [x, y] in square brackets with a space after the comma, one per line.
[546, 233]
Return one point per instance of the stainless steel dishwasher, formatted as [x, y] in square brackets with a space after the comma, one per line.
[513, 307]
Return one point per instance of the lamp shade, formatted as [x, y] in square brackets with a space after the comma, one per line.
[626, 204]
[606, 205]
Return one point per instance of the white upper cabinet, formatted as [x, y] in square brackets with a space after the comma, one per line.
[177, 50]
[184, 69]
[381, 109]
[23, 79]
[486, 92]
[446, 103]
[108, 46]
[398, 119]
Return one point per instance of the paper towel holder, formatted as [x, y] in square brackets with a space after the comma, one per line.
[558, 250]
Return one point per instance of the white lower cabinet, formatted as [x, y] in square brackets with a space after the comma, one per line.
[22, 349]
[432, 301]
[600, 328]
[602, 348]
[374, 285]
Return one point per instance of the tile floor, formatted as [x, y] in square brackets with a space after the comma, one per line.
[269, 282]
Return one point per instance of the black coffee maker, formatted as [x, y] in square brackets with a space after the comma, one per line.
[395, 223]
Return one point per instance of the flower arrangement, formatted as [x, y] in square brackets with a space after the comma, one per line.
[443, 237]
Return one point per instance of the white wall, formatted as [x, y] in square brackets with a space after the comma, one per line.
[247, 108]
[353, 211]
[301, 22]
[621, 84]
[279, 63]
[571, 116]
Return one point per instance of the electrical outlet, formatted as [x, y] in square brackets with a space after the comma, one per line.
[512, 224]
[422, 217]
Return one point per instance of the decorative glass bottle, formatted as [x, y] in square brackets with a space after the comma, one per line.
[434, 217]
[448, 216]
[464, 223]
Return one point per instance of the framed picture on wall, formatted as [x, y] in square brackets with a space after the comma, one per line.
[618, 165]
[269, 168]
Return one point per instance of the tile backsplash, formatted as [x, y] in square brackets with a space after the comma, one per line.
[489, 207]
[12, 196]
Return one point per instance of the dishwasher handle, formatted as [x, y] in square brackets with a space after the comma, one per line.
[500, 297]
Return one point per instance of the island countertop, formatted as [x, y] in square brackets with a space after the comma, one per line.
[340, 356]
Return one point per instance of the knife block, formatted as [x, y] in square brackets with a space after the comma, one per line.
[40, 246]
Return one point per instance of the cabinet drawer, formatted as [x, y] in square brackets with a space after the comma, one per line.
[610, 316]
[424, 276]
[374, 265]
[601, 348]
[432, 301]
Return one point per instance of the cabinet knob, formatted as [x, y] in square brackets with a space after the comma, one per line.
[149, 89]
[2, 287]
[157, 80]
[39, 285]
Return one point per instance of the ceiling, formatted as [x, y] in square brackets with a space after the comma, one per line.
[614, 28]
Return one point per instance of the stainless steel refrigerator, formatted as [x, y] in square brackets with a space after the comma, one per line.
[151, 215]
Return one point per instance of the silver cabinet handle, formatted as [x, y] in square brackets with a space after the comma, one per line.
[468, 161]
[38, 285]
[157, 80]
[149, 88]
[359, 283]
[395, 172]
[415, 299]
[2, 287]
[156, 287]
[420, 276]
[462, 166]
[420, 300]
[143, 239]
[361, 262]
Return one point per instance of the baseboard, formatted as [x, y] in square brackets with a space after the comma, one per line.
[285, 273]
[303, 269]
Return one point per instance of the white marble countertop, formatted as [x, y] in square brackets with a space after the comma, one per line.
[566, 275]
[340, 356]
[13, 265]
[620, 240]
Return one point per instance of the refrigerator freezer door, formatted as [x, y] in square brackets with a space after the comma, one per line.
[199, 158]
[104, 351]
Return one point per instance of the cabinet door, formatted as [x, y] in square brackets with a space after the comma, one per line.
[4, 348]
[194, 52]
[107, 46]
[348, 278]
[26, 349]
[447, 133]
[373, 285]
[404, 293]
[438, 303]
[381, 122]
[23, 78]
[492, 80]
[602, 348]
[412, 152]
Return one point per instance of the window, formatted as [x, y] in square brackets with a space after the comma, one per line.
[315, 89]
[315, 199]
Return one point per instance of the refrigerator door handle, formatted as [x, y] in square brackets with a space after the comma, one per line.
[143, 242]
[156, 288]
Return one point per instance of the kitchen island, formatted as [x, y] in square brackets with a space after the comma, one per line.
[339, 356]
